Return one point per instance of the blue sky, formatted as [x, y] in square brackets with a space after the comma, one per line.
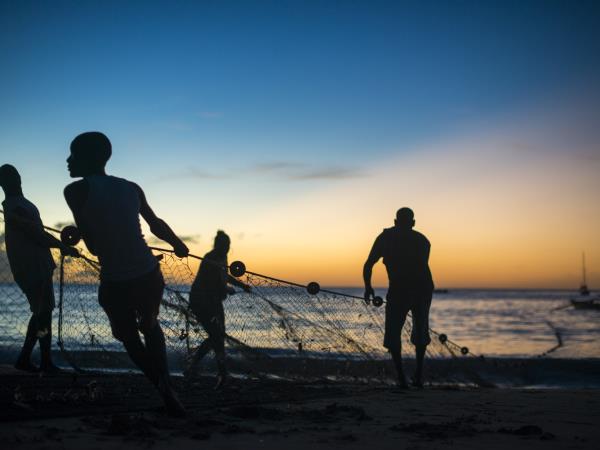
[282, 81]
[229, 108]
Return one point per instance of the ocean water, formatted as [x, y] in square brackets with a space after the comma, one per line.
[494, 323]
[514, 323]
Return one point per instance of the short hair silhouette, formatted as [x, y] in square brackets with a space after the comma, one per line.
[9, 177]
[94, 146]
[221, 238]
[405, 217]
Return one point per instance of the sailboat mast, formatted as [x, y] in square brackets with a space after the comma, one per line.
[583, 267]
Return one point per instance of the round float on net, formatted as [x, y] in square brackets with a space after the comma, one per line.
[443, 338]
[70, 235]
[377, 301]
[313, 288]
[237, 269]
[464, 350]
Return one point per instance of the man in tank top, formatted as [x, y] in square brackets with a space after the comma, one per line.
[405, 254]
[28, 251]
[106, 210]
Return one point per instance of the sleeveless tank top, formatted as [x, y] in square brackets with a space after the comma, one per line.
[30, 263]
[111, 215]
[405, 256]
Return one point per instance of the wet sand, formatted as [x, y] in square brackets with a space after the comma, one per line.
[121, 411]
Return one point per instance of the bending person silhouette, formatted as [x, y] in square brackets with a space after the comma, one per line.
[106, 210]
[28, 250]
[405, 255]
[208, 291]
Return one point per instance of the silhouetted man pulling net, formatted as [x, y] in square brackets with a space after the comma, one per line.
[405, 255]
[28, 250]
[209, 289]
[106, 210]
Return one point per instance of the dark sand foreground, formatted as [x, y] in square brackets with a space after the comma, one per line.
[120, 411]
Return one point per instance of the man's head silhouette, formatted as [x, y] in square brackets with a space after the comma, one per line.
[405, 218]
[89, 153]
[222, 242]
[10, 180]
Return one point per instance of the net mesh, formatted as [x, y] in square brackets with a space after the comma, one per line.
[278, 328]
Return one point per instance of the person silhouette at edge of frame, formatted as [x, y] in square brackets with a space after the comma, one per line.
[106, 210]
[405, 255]
[31, 263]
[209, 289]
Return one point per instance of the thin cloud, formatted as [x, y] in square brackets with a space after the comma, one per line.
[282, 170]
[295, 171]
[278, 166]
[327, 173]
[61, 225]
[191, 239]
[193, 173]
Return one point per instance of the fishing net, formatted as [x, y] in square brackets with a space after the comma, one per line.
[279, 328]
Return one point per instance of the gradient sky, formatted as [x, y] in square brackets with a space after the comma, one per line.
[300, 127]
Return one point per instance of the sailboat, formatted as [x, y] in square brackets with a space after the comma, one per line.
[583, 300]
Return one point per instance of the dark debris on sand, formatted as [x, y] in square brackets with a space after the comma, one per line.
[148, 427]
[445, 430]
[29, 397]
[528, 430]
[125, 406]
[466, 427]
[330, 413]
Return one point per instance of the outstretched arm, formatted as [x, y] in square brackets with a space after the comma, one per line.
[373, 257]
[21, 219]
[159, 227]
[238, 283]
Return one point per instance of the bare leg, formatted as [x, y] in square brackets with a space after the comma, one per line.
[157, 352]
[397, 357]
[220, 357]
[24, 360]
[222, 370]
[139, 355]
[200, 352]
[157, 349]
[218, 343]
[44, 334]
[418, 378]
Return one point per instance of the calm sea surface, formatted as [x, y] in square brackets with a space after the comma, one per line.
[515, 323]
[493, 323]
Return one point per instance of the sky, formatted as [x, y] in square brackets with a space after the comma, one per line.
[301, 127]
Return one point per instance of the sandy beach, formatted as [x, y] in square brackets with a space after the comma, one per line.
[121, 411]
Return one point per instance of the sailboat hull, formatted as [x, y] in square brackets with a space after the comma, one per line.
[586, 302]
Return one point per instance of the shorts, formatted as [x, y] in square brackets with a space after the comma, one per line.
[40, 296]
[209, 312]
[132, 304]
[396, 309]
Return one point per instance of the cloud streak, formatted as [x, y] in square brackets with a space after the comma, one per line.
[195, 174]
[190, 239]
[295, 171]
[327, 173]
[281, 170]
